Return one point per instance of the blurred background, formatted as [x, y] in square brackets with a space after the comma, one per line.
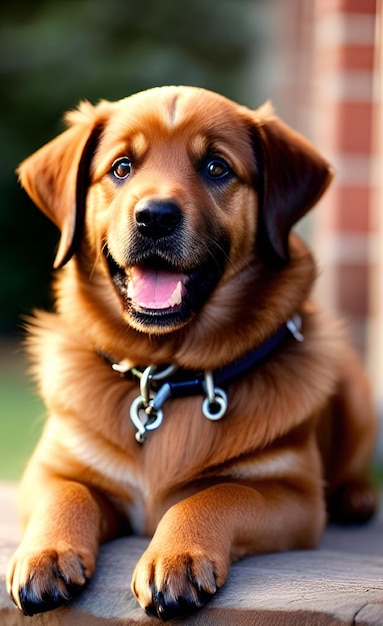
[319, 61]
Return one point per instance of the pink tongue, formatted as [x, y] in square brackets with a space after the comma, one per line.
[155, 289]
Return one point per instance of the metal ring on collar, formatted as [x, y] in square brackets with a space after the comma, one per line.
[217, 408]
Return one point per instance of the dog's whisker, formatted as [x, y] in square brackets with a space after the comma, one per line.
[97, 261]
[221, 250]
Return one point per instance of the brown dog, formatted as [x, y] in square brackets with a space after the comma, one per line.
[180, 272]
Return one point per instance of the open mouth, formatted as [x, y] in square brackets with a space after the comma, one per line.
[157, 296]
[155, 289]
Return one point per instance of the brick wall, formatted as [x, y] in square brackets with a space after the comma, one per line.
[344, 112]
[326, 61]
[375, 335]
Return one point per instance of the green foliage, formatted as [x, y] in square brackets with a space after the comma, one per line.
[54, 53]
[21, 421]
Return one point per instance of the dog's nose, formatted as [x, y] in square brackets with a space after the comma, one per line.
[157, 218]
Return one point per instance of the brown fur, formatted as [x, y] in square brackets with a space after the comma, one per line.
[208, 492]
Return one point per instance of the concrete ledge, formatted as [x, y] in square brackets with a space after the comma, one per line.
[339, 584]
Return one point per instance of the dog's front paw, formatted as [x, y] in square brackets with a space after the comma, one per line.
[171, 584]
[42, 581]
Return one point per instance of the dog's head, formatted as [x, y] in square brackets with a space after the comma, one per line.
[172, 190]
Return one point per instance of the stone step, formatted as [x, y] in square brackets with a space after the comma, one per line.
[339, 584]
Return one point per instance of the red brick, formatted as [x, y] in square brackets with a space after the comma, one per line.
[355, 127]
[352, 213]
[351, 289]
[346, 6]
[347, 127]
[358, 57]
[345, 58]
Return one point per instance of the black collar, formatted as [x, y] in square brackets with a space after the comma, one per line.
[158, 384]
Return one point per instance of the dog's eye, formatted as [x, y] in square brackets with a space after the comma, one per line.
[216, 169]
[122, 168]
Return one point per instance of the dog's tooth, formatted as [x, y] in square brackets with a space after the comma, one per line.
[176, 297]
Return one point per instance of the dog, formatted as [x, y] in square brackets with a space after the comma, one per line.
[195, 393]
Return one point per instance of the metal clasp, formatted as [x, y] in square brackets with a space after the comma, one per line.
[294, 324]
[214, 405]
[146, 410]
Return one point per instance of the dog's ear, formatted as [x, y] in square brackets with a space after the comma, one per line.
[292, 176]
[56, 177]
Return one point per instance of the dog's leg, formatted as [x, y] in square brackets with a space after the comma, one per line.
[352, 498]
[188, 558]
[59, 548]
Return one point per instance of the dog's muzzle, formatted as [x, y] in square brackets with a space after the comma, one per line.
[161, 286]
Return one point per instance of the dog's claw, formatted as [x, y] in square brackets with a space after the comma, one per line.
[174, 590]
[166, 608]
[31, 603]
[46, 580]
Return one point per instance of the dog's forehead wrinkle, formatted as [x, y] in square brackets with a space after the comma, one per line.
[173, 109]
[168, 117]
